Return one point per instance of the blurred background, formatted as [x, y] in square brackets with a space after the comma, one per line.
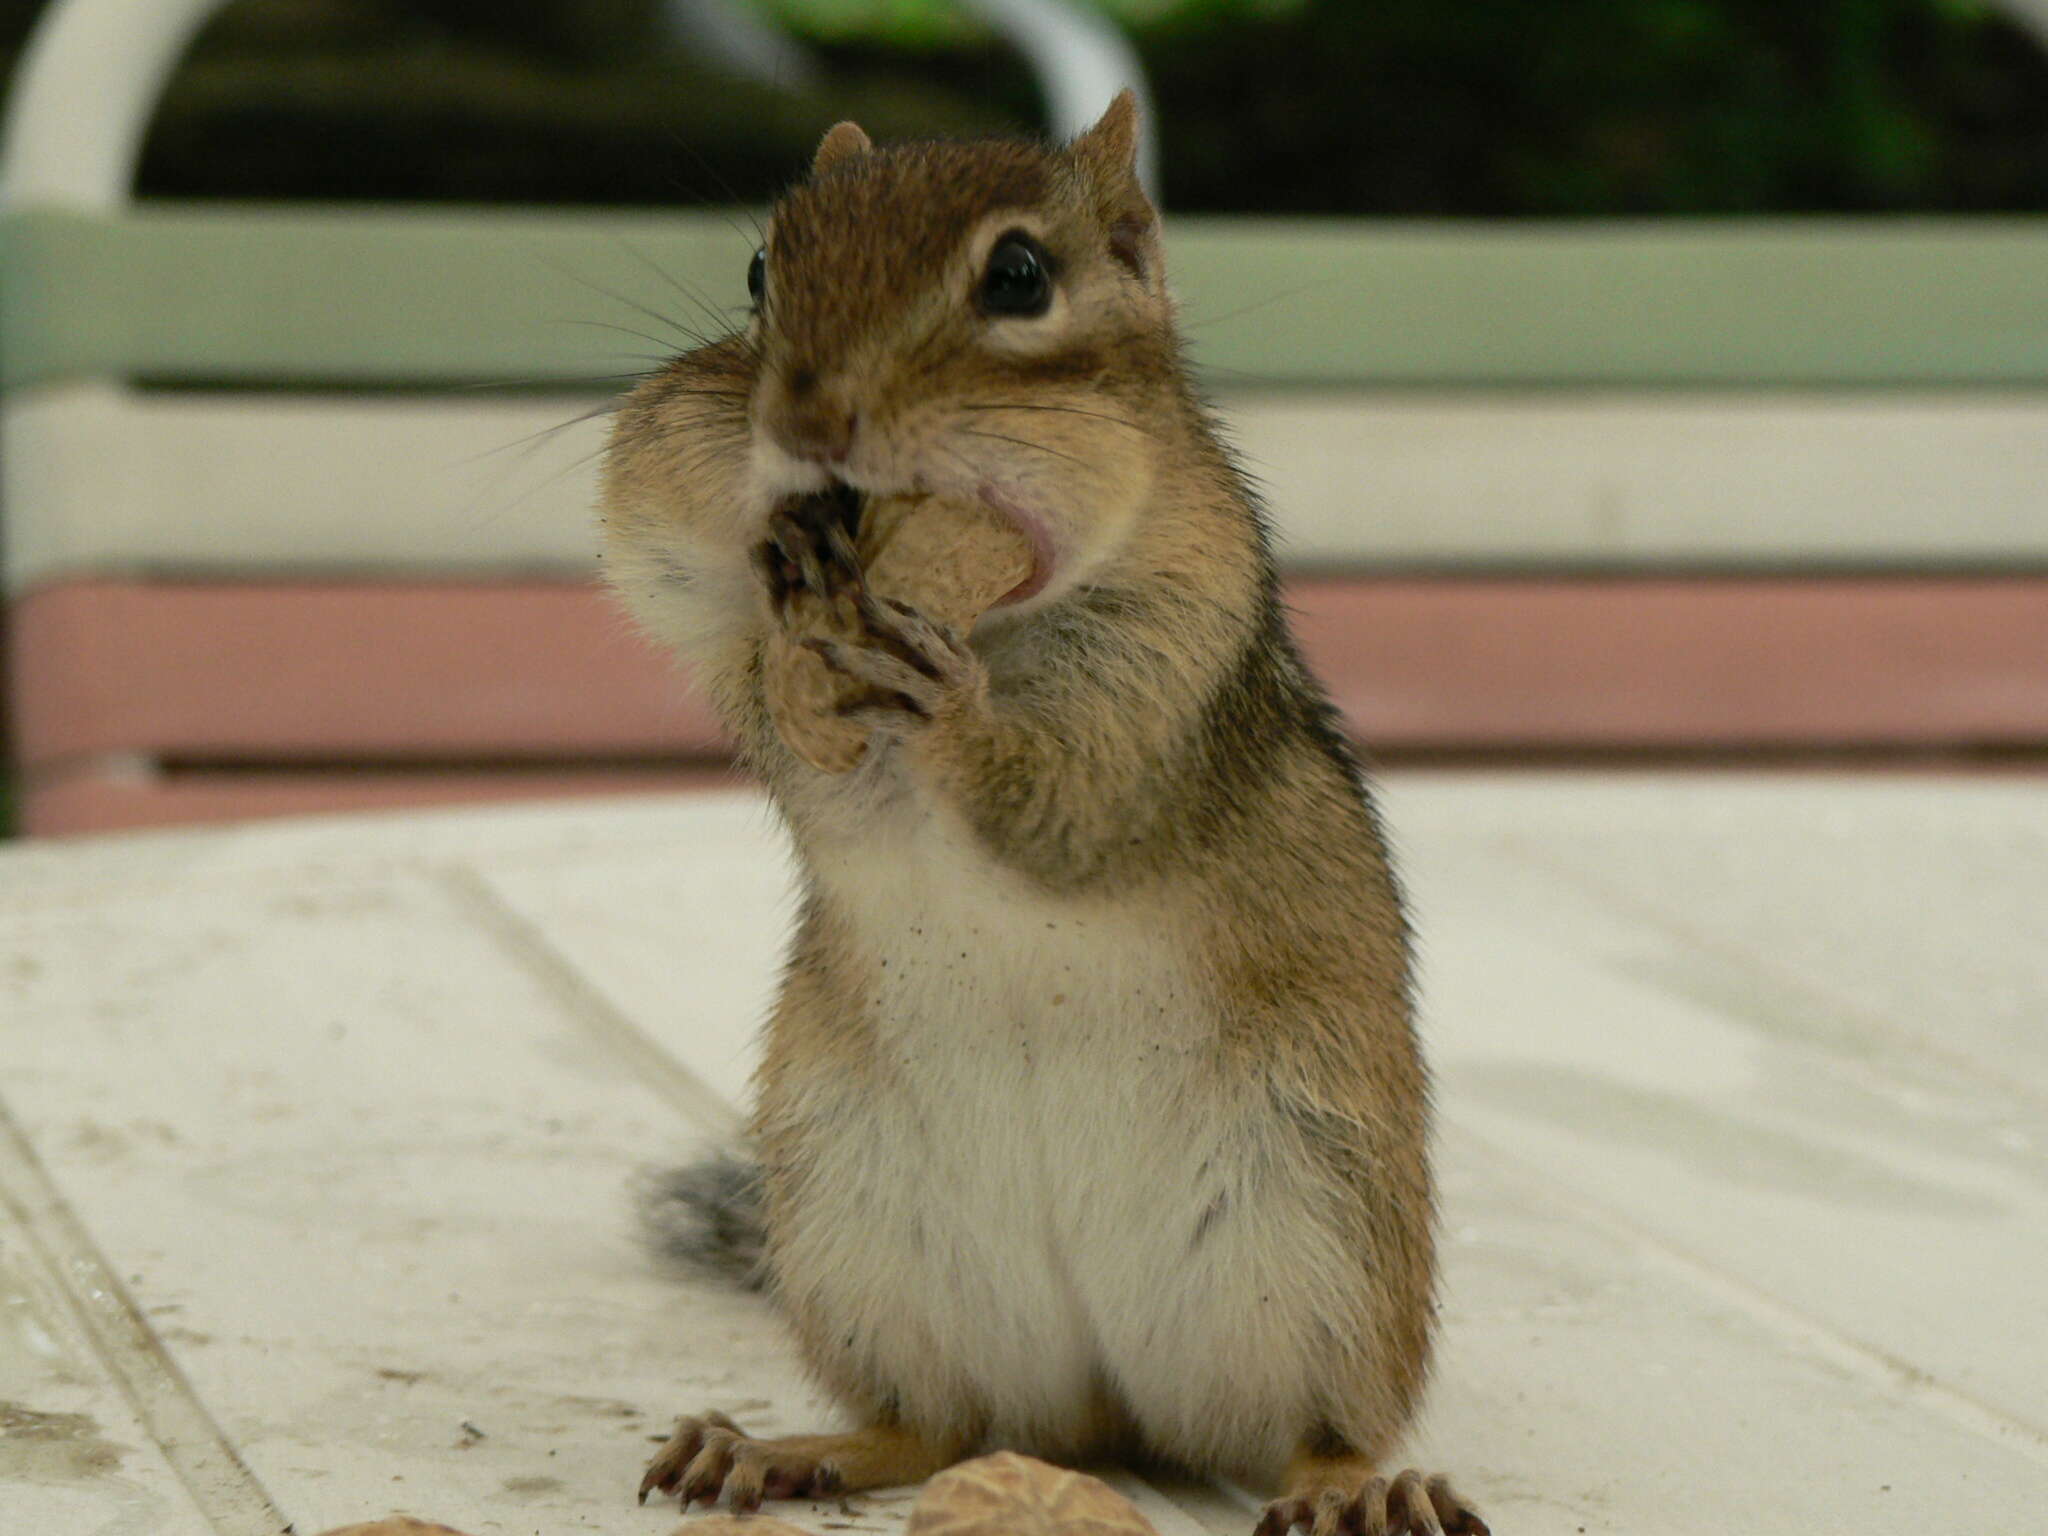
[1572, 108]
[1657, 381]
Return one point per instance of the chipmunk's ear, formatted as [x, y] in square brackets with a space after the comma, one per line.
[1108, 152]
[1111, 146]
[841, 140]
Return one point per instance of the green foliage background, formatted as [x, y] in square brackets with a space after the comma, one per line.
[1615, 106]
[1482, 107]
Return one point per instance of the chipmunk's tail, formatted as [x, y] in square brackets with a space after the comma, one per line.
[706, 1218]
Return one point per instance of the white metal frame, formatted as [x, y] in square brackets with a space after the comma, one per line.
[83, 95]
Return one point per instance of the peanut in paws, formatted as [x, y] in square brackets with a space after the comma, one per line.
[948, 561]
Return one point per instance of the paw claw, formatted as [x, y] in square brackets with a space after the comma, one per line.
[1459, 1518]
[1371, 1507]
[1406, 1505]
[774, 576]
[744, 1486]
[787, 535]
[897, 720]
[706, 1474]
[1409, 1509]
[895, 670]
[929, 646]
[710, 1457]
[808, 556]
[839, 546]
[1331, 1510]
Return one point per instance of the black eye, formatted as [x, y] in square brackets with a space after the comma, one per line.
[757, 275]
[1018, 280]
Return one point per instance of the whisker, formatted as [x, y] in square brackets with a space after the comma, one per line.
[476, 514]
[961, 459]
[733, 200]
[1065, 410]
[704, 306]
[1245, 376]
[535, 438]
[619, 298]
[1024, 442]
[627, 330]
[559, 383]
[1256, 304]
[489, 502]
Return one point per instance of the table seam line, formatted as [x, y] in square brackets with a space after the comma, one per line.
[523, 941]
[224, 1490]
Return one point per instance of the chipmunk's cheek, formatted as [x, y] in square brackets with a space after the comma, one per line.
[1044, 551]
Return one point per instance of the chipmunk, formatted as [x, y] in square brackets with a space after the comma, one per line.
[1091, 1121]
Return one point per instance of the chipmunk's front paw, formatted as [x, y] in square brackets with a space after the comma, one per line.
[810, 572]
[912, 670]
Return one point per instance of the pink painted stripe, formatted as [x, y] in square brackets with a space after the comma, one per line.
[547, 672]
[1792, 662]
[341, 670]
[88, 802]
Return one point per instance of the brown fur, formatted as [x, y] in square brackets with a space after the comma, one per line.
[1142, 738]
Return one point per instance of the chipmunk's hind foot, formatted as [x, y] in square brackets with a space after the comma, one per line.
[710, 1454]
[1342, 1497]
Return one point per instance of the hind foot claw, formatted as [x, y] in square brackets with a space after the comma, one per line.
[1406, 1505]
[710, 1454]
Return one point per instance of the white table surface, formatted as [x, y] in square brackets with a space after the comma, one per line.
[317, 1140]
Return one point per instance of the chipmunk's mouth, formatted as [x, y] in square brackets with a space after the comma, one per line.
[1043, 555]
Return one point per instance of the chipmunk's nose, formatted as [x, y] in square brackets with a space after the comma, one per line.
[810, 422]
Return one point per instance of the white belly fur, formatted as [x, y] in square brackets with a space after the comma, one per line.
[1031, 1163]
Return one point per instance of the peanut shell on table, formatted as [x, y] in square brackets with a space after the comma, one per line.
[394, 1525]
[1011, 1495]
[950, 560]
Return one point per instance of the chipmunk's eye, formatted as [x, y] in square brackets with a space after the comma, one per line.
[1017, 282]
[757, 275]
